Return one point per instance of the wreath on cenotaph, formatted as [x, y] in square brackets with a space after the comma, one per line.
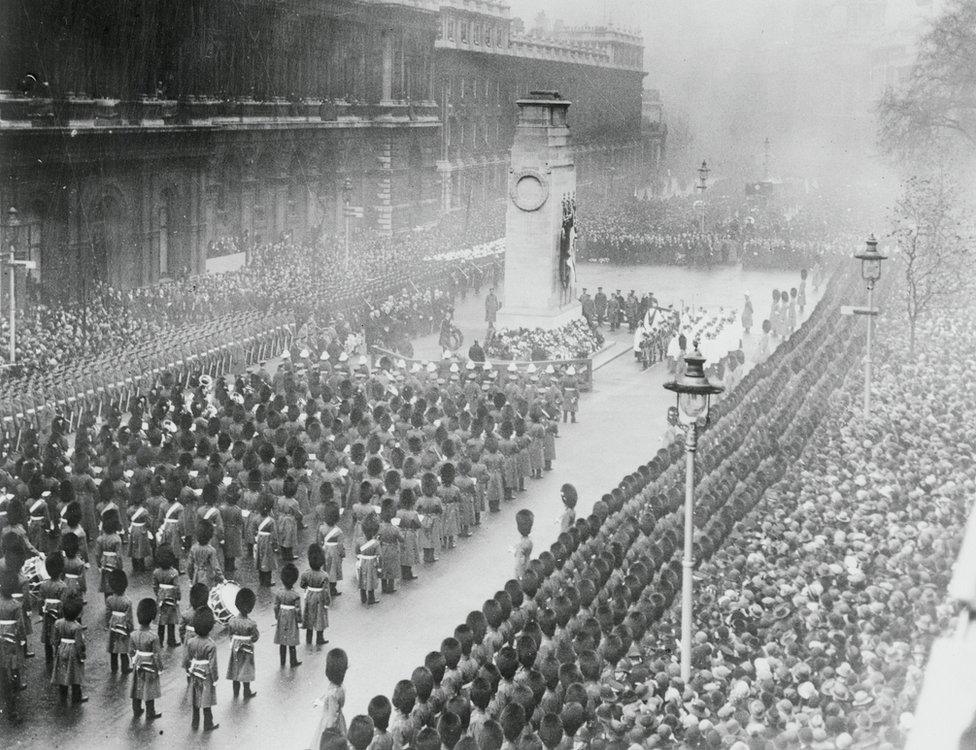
[529, 189]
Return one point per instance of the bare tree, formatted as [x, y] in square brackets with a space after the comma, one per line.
[937, 104]
[934, 256]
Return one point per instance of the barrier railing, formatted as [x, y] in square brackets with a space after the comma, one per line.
[583, 367]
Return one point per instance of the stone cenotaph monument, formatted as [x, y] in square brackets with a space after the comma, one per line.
[540, 253]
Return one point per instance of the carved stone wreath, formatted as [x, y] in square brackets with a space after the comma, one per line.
[529, 189]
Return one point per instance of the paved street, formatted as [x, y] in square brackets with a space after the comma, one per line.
[291, 184]
[620, 426]
[721, 287]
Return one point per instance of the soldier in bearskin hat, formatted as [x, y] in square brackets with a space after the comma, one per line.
[523, 550]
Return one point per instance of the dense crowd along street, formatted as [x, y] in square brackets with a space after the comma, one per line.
[330, 454]
[823, 574]
[62, 347]
[488, 375]
[330, 470]
[833, 653]
[669, 231]
[369, 297]
[276, 280]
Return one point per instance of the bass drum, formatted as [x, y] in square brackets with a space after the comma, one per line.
[222, 600]
[35, 571]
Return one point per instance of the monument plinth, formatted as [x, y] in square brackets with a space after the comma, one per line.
[540, 253]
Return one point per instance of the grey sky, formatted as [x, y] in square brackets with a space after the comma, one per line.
[804, 72]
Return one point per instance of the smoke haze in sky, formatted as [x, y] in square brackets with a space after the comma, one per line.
[805, 73]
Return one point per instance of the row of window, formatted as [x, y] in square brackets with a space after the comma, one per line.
[491, 90]
[479, 187]
[473, 32]
[472, 87]
[473, 135]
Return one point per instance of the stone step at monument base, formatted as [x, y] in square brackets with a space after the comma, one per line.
[528, 318]
[610, 351]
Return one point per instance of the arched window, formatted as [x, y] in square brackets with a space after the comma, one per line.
[108, 233]
[170, 225]
[163, 222]
[415, 172]
[263, 210]
[354, 168]
[229, 195]
[35, 218]
[298, 181]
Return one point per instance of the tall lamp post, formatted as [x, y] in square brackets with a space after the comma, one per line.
[694, 393]
[12, 227]
[346, 197]
[702, 185]
[870, 271]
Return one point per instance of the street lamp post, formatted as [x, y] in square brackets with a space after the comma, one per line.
[694, 393]
[870, 271]
[11, 236]
[702, 185]
[346, 197]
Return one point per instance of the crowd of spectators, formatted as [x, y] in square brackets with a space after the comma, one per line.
[396, 288]
[669, 232]
[664, 231]
[823, 547]
[823, 540]
[226, 245]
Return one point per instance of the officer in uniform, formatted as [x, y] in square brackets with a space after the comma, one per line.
[600, 303]
[588, 308]
[492, 306]
[449, 337]
[614, 307]
[570, 394]
[476, 353]
[632, 316]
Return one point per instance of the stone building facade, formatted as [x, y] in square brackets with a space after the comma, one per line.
[482, 66]
[135, 137]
